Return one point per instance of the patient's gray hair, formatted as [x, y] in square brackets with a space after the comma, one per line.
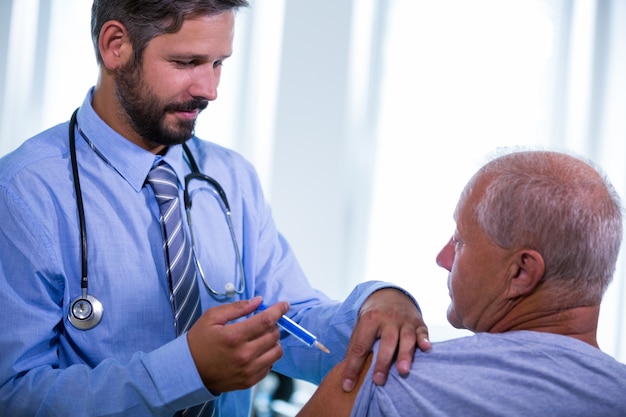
[561, 206]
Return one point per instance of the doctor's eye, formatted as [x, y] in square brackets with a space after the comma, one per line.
[186, 63]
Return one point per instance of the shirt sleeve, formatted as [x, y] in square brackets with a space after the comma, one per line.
[332, 323]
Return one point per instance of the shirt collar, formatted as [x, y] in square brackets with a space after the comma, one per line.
[132, 162]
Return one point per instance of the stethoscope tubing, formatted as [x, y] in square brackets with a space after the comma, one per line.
[85, 310]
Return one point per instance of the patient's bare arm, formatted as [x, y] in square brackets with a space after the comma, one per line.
[330, 399]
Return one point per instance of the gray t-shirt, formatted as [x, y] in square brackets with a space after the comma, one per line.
[511, 374]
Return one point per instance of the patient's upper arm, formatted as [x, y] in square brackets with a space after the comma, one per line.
[329, 399]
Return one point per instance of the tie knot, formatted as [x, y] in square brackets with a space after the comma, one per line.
[163, 181]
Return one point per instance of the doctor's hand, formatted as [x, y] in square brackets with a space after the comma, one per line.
[391, 316]
[236, 355]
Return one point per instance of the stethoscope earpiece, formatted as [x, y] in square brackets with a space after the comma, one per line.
[86, 312]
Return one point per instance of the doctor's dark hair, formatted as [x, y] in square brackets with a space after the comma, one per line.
[146, 19]
[563, 207]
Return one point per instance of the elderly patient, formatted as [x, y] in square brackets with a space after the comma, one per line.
[536, 241]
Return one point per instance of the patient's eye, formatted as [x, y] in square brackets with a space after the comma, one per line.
[457, 241]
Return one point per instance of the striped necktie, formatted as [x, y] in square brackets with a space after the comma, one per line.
[184, 294]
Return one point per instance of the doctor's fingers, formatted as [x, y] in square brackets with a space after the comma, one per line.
[265, 320]
[241, 367]
[214, 325]
[225, 313]
[228, 312]
[233, 356]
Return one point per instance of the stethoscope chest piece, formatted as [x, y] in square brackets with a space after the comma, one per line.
[85, 312]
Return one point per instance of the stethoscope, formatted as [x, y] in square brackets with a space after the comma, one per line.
[86, 310]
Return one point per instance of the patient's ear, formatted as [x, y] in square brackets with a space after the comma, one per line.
[527, 269]
[330, 399]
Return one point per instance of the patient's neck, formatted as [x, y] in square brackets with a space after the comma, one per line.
[578, 322]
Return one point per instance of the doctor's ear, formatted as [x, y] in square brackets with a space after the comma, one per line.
[528, 269]
[114, 44]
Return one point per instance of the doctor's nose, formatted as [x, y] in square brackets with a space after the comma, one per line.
[445, 257]
[205, 85]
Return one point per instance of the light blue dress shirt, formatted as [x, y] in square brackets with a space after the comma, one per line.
[132, 364]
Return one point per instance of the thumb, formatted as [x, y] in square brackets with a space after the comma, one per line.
[228, 312]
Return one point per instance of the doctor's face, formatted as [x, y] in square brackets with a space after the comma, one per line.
[477, 268]
[176, 79]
